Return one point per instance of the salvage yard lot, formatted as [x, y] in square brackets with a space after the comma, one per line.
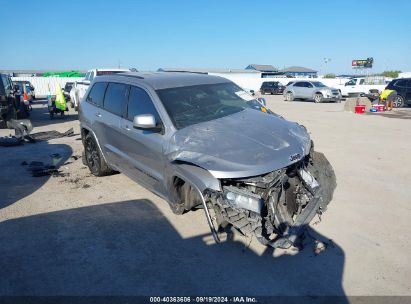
[81, 235]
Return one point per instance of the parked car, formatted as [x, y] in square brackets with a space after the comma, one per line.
[22, 106]
[197, 140]
[271, 87]
[32, 89]
[311, 90]
[66, 91]
[24, 84]
[11, 105]
[403, 88]
[82, 86]
[363, 86]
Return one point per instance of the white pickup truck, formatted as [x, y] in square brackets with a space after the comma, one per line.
[80, 87]
[363, 86]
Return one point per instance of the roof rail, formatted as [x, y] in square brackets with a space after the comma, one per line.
[128, 75]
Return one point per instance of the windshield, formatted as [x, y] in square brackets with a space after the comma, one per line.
[318, 84]
[187, 106]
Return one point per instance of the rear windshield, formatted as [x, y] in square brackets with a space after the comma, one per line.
[195, 104]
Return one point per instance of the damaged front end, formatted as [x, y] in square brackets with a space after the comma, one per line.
[277, 206]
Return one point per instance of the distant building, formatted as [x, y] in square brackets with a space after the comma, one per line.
[262, 68]
[297, 71]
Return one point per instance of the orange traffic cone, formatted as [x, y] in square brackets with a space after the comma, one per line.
[26, 99]
[25, 96]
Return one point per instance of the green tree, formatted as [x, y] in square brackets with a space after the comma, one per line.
[329, 76]
[390, 74]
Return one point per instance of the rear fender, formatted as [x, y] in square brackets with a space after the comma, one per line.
[86, 130]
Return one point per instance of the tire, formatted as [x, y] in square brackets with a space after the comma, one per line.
[262, 92]
[186, 198]
[324, 173]
[318, 97]
[399, 102]
[94, 159]
[289, 96]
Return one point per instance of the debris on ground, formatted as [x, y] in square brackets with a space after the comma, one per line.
[47, 135]
[23, 128]
[38, 169]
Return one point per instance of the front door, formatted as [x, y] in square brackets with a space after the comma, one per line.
[143, 149]
[408, 92]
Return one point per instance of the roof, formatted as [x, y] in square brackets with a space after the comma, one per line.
[297, 69]
[164, 80]
[206, 70]
[262, 67]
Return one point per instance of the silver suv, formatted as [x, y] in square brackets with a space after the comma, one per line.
[312, 90]
[200, 141]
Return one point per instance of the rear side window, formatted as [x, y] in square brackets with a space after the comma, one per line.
[116, 98]
[96, 94]
[140, 103]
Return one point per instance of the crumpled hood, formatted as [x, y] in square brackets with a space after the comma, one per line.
[244, 144]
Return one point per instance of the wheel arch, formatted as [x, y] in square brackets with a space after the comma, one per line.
[87, 131]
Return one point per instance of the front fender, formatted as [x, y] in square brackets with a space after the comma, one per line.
[191, 174]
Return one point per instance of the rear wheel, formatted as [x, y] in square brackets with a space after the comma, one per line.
[398, 102]
[94, 158]
[318, 97]
[289, 96]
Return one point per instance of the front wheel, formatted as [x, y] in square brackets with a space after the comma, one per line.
[318, 98]
[399, 102]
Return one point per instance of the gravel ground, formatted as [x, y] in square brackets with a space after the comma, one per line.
[75, 234]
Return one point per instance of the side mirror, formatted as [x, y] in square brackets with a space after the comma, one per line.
[252, 92]
[145, 122]
[262, 101]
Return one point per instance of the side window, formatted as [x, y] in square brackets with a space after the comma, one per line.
[401, 83]
[8, 86]
[116, 98]
[351, 82]
[96, 94]
[408, 84]
[298, 84]
[2, 86]
[308, 85]
[140, 103]
[362, 81]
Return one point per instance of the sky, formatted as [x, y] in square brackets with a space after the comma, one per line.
[149, 34]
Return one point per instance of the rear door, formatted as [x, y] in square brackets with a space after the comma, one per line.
[108, 122]
[143, 149]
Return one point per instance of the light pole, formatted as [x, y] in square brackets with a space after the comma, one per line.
[324, 64]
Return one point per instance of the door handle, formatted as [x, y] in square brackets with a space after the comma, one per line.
[98, 114]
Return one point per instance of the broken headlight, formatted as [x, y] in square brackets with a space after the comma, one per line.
[242, 199]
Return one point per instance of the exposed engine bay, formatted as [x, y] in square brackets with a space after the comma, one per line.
[277, 206]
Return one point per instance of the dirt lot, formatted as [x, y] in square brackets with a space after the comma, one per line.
[75, 234]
